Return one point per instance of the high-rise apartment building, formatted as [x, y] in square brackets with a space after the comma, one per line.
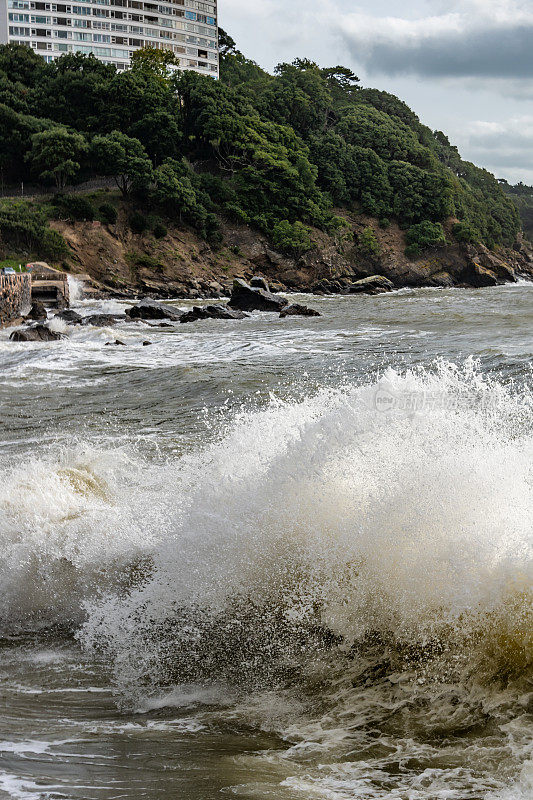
[113, 29]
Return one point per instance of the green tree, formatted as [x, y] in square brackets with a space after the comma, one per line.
[178, 193]
[159, 133]
[56, 154]
[125, 159]
[174, 189]
[132, 95]
[300, 97]
[73, 90]
[21, 64]
[226, 45]
[16, 131]
[368, 245]
[152, 61]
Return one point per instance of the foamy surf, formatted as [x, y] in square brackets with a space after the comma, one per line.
[349, 575]
[409, 518]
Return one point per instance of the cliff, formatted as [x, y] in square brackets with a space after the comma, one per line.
[183, 265]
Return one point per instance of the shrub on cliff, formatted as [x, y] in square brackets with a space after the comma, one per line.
[159, 230]
[108, 213]
[465, 232]
[293, 239]
[368, 245]
[51, 245]
[75, 207]
[26, 228]
[424, 236]
[138, 222]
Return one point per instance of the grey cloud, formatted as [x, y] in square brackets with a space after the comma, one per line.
[508, 139]
[518, 160]
[508, 145]
[505, 52]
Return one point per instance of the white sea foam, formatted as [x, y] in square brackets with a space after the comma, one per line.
[69, 524]
[75, 287]
[370, 546]
[412, 519]
[58, 325]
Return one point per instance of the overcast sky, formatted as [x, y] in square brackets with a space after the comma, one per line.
[464, 66]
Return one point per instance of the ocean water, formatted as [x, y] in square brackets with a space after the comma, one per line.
[271, 559]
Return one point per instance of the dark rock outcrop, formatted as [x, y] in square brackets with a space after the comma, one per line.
[484, 268]
[37, 311]
[116, 343]
[259, 283]
[297, 310]
[480, 277]
[36, 333]
[70, 316]
[441, 279]
[375, 284]
[151, 309]
[212, 312]
[103, 320]
[246, 298]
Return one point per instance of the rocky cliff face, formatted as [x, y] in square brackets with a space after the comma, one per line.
[181, 264]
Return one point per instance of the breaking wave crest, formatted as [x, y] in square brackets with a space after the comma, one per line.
[395, 515]
[352, 572]
[399, 509]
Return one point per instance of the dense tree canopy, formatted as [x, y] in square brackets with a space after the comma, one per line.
[280, 152]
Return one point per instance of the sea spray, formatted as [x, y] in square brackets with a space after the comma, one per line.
[334, 523]
[69, 528]
[75, 286]
[349, 574]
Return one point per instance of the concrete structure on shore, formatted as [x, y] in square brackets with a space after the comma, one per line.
[113, 29]
[15, 298]
[40, 284]
[48, 285]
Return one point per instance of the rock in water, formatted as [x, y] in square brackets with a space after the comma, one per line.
[103, 320]
[297, 310]
[246, 298]
[375, 284]
[151, 309]
[37, 333]
[481, 277]
[259, 283]
[212, 312]
[116, 343]
[37, 311]
[70, 316]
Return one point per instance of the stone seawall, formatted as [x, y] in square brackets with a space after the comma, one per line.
[15, 297]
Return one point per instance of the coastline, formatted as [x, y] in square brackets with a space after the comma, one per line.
[117, 262]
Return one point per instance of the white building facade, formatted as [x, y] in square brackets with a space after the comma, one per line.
[113, 29]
